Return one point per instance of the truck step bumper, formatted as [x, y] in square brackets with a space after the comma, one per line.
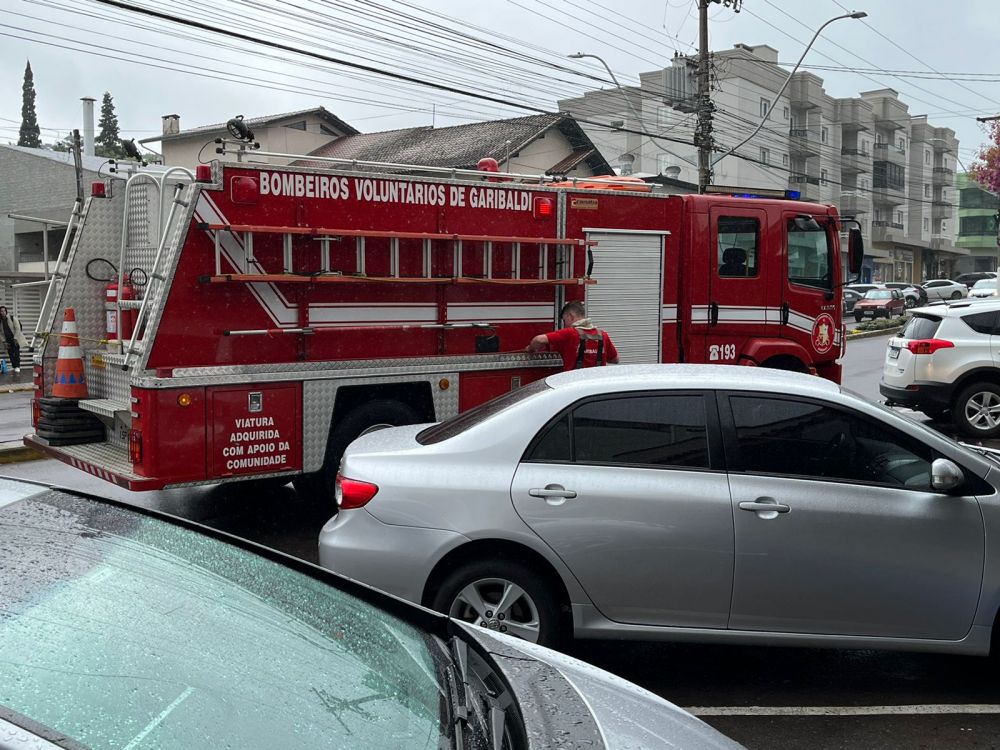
[103, 460]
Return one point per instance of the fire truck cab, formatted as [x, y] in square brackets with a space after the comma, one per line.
[275, 313]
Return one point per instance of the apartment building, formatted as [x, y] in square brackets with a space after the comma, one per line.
[977, 224]
[890, 170]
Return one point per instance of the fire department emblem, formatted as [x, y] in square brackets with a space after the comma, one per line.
[822, 334]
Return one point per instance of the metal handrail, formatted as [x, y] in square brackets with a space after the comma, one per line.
[444, 171]
[71, 229]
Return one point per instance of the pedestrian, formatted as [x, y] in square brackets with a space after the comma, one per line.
[579, 342]
[13, 336]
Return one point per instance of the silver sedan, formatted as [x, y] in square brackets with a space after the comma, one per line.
[680, 502]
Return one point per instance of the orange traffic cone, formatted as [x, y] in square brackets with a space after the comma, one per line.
[70, 381]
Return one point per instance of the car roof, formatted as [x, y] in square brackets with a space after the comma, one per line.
[959, 308]
[694, 377]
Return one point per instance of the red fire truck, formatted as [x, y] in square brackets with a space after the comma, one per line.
[268, 315]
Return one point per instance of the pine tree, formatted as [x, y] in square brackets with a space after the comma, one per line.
[109, 139]
[29, 135]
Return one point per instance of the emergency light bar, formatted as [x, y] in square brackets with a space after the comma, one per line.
[742, 192]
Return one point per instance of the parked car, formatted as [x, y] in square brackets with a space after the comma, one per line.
[863, 288]
[121, 627]
[944, 363]
[690, 502]
[938, 289]
[971, 278]
[913, 295]
[880, 303]
[850, 297]
[984, 288]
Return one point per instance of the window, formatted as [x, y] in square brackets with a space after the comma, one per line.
[972, 226]
[637, 430]
[888, 175]
[457, 425]
[765, 155]
[662, 116]
[784, 160]
[738, 240]
[824, 134]
[864, 147]
[807, 439]
[927, 224]
[297, 125]
[901, 145]
[864, 183]
[927, 190]
[982, 322]
[977, 198]
[822, 176]
[808, 254]
[899, 217]
[927, 157]
[786, 113]
[328, 131]
[765, 105]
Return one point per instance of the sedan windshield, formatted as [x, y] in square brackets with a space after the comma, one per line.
[879, 294]
[985, 284]
[121, 630]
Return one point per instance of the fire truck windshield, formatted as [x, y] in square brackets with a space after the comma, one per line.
[809, 251]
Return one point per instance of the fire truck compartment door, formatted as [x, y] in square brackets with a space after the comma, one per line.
[627, 299]
[743, 300]
[255, 429]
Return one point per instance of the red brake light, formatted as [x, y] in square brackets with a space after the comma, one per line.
[353, 493]
[99, 190]
[135, 446]
[928, 346]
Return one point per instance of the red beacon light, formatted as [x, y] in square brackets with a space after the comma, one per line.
[203, 173]
[99, 189]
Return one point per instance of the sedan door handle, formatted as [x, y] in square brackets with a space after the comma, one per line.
[553, 490]
[752, 505]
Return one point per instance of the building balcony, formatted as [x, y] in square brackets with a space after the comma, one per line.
[888, 152]
[806, 91]
[942, 210]
[853, 161]
[853, 203]
[885, 231]
[888, 196]
[854, 115]
[802, 142]
[942, 176]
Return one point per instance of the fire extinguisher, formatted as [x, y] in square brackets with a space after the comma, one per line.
[119, 325]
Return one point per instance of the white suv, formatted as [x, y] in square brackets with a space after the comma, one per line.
[946, 361]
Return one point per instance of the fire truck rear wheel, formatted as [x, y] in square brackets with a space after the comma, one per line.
[362, 419]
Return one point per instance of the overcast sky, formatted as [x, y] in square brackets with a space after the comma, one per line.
[513, 50]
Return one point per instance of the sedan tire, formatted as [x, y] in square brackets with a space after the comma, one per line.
[956, 295]
[977, 410]
[910, 303]
[859, 317]
[501, 595]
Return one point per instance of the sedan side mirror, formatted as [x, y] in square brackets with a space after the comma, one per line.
[945, 475]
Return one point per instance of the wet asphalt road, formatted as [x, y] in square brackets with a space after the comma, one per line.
[763, 697]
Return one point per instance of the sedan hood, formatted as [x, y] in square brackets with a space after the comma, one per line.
[627, 716]
[873, 303]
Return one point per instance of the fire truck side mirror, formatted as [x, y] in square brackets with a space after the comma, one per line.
[855, 251]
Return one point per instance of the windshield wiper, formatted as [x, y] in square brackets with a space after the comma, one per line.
[991, 453]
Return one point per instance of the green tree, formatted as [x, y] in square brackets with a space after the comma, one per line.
[29, 135]
[109, 139]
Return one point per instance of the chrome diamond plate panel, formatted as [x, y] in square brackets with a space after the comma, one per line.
[105, 377]
[369, 368]
[104, 407]
[100, 459]
[319, 397]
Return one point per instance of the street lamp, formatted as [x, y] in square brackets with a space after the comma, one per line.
[854, 14]
[581, 55]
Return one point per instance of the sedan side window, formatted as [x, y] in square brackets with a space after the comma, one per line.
[801, 438]
[636, 430]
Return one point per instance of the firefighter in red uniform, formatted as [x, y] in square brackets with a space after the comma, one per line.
[580, 343]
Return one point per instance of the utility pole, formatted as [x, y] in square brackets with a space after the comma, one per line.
[706, 109]
[78, 165]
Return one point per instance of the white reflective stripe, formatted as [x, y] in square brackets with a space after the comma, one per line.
[70, 352]
[69, 326]
[668, 313]
[371, 314]
[506, 312]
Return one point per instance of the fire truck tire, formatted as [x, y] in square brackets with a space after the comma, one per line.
[373, 414]
[532, 613]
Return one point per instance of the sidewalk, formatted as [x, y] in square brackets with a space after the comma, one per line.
[15, 414]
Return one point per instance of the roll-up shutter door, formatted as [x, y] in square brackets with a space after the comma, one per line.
[626, 300]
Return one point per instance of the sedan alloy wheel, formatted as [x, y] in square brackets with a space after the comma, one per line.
[978, 412]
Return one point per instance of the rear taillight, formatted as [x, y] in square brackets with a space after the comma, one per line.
[353, 493]
[36, 412]
[135, 446]
[928, 346]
